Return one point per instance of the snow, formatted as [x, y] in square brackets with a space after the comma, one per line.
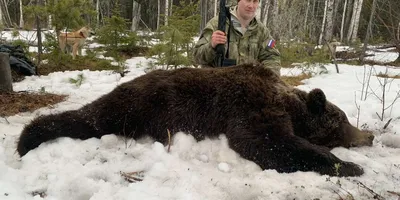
[66, 168]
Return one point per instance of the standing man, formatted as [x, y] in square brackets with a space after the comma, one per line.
[249, 39]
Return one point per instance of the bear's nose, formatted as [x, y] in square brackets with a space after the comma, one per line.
[371, 137]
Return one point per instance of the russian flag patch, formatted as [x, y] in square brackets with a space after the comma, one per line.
[271, 43]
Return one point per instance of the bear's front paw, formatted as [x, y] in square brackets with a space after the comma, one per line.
[348, 169]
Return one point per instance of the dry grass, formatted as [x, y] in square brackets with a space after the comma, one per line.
[295, 80]
[16, 102]
[62, 63]
[388, 76]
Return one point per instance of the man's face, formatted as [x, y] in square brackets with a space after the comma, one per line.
[247, 8]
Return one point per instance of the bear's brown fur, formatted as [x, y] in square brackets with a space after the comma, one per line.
[265, 120]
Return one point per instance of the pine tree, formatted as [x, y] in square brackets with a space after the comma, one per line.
[175, 47]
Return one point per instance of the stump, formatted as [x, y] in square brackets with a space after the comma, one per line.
[5, 73]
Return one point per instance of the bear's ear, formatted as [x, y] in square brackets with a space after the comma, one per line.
[316, 101]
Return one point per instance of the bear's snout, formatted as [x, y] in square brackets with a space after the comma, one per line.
[357, 138]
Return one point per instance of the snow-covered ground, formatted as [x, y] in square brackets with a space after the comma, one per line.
[67, 169]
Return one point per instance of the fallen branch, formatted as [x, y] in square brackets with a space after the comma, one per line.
[387, 123]
[133, 177]
[376, 195]
[394, 193]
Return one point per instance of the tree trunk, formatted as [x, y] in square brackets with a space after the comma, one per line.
[5, 14]
[367, 36]
[39, 36]
[343, 19]
[203, 12]
[321, 35]
[312, 27]
[306, 17]
[329, 20]
[98, 13]
[355, 21]
[21, 15]
[158, 14]
[398, 32]
[5, 73]
[135, 16]
[274, 20]
[166, 12]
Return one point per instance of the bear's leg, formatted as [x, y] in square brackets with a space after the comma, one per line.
[291, 153]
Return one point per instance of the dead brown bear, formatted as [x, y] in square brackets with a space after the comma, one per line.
[265, 120]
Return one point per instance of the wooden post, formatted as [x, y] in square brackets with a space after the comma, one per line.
[5, 73]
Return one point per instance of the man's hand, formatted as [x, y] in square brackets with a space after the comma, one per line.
[218, 37]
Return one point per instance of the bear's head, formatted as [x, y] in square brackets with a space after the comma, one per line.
[323, 123]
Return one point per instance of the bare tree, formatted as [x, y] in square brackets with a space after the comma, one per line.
[329, 20]
[21, 16]
[389, 17]
[5, 14]
[39, 34]
[355, 21]
[367, 36]
[98, 13]
[385, 82]
[135, 16]
[166, 12]
[343, 20]
[321, 35]
[159, 15]
[306, 17]
[203, 12]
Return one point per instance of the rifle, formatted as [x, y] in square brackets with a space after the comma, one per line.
[222, 60]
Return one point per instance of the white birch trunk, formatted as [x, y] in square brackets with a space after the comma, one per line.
[171, 2]
[329, 20]
[166, 12]
[398, 32]
[98, 12]
[323, 23]
[306, 17]
[50, 22]
[5, 13]
[135, 16]
[343, 19]
[21, 15]
[355, 21]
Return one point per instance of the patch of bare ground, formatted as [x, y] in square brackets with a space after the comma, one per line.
[12, 103]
